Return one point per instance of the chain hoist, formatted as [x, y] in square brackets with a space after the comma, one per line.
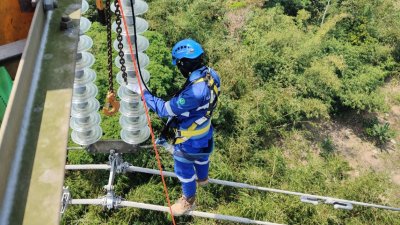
[119, 39]
[111, 106]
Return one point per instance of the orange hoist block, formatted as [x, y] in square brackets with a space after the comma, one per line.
[101, 12]
[111, 106]
[99, 4]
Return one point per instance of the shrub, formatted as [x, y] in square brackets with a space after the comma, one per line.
[328, 147]
[381, 133]
[292, 7]
[237, 5]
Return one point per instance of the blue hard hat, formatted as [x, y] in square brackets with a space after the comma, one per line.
[186, 48]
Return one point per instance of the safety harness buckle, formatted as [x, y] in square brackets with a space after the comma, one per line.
[178, 134]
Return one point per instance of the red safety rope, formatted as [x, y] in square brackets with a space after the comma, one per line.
[153, 139]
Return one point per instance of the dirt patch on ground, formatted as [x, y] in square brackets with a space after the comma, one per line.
[236, 19]
[392, 97]
[362, 154]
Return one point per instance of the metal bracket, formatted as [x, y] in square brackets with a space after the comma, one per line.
[65, 199]
[122, 167]
[33, 3]
[117, 165]
[26, 6]
[111, 157]
[110, 201]
[66, 22]
[49, 4]
[117, 162]
[306, 199]
[336, 204]
[117, 145]
[339, 205]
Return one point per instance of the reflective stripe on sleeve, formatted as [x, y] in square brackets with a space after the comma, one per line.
[168, 108]
[201, 120]
[186, 114]
[203, 107]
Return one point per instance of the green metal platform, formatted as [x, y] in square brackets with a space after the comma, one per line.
[5, 90]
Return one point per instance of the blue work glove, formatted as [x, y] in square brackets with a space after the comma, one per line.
[160, 141]
[164, 143]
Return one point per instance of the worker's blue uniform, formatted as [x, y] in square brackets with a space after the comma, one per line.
[192, 156]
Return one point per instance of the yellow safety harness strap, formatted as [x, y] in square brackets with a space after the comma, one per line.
[199, 80]
[184, 135]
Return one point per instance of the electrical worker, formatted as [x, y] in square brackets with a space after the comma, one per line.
[189, 112]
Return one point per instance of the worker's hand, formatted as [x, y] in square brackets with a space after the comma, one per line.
[161, 141]
[164, 143]
[135, 88]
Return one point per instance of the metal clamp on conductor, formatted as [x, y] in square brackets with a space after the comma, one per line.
[110, 201]
[339, 205]
[336, 204]
[65, 199]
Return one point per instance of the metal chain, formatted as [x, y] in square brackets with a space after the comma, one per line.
[119, 38]
[109, 47]
[111, 105]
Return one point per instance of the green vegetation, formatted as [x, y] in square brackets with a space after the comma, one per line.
[381, 133]
[282, 73]
[237, 5]
[327, 147]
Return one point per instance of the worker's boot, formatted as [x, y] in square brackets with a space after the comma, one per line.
[183, 205]
[202, 182]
